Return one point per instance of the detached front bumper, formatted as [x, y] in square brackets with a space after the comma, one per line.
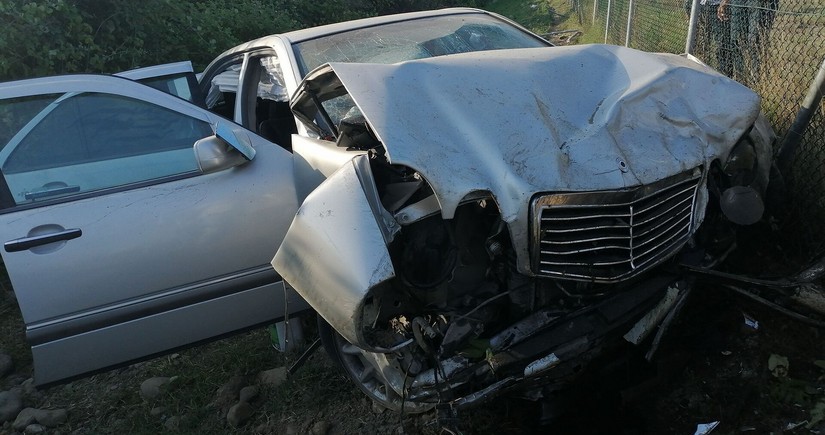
[543, 350]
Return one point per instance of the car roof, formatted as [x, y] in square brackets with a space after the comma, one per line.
[315, 32]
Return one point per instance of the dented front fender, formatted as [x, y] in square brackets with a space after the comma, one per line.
[335, 251]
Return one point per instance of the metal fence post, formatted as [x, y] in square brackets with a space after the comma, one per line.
[690, 43]
[794, 135]
[607, 20]
[629, 22]
[595, 5]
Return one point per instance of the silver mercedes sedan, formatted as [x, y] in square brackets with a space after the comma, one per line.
[470, 210]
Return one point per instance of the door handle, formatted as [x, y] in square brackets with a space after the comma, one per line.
[30, 242]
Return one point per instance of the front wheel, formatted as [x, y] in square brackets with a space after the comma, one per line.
[378, 375]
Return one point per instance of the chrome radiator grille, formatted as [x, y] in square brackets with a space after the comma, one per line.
[614, 235]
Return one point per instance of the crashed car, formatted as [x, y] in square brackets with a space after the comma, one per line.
[515, 211]
[470, 210]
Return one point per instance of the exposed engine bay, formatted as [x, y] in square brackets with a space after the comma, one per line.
[458, 316]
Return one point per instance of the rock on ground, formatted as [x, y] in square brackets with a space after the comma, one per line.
[238, 414]
[248, 393]
[320, 428]
[151, 388]
[10, 405]
[34, 429]
[6, 364]
[172, 423]
[46, 417]
[227, 394]
[272, 377]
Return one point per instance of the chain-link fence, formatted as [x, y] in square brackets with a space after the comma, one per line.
[773, 46]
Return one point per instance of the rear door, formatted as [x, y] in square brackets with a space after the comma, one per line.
[176, 78]
[118, 247]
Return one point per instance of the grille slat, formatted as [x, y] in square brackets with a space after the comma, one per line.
[656, 225]
[582, 250]
[577, 241]
[686, 202]
[674, 235]
[612, 236]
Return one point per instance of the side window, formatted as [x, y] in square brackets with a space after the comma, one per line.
[56, 145]
[180, 85]
[274, 120]
[223, 90]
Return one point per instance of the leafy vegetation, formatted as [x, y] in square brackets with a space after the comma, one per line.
[47, 37]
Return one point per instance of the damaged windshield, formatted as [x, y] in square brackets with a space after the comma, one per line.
[415, 39]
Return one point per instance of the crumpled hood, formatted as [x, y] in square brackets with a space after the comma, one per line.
[515, 123]
[578, 118]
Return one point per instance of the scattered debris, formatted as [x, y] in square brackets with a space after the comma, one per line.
[705, 428]
[792, 426]
[562, 37]
[750, 322]
[778, 365]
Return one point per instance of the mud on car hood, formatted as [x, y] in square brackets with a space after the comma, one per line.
[517, 122]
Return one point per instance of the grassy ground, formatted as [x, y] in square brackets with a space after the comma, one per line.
[711, 367]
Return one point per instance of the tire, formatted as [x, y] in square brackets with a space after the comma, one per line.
[361, 367]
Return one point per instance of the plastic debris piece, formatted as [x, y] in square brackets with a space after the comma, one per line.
[778, 365]
[727, 353]
[750, 322]
[791, 426]
[705, 428]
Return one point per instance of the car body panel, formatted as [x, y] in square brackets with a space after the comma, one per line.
[316, 160]
[337, 245]
[158, 71]
[163, 255]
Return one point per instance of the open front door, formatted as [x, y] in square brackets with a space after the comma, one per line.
[117, 244]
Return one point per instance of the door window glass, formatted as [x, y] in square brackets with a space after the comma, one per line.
[179, 85]
[222, 91]
[79, 142]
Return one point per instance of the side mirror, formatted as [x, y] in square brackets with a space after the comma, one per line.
[215, 154]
